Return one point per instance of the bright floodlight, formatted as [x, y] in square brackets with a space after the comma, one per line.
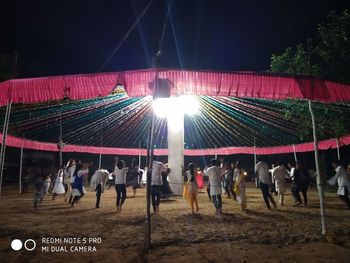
[168, 107]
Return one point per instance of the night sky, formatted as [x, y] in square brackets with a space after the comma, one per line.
[70, 37]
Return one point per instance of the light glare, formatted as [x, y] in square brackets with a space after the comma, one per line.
[169, 107]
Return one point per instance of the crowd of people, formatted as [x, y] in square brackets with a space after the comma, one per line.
[228, 178]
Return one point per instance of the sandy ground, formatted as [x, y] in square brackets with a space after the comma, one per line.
[288, 234]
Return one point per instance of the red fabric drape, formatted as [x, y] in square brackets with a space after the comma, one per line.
[186, 82]
[16, 142]
[75, 87]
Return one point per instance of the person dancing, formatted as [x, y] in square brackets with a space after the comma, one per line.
[240, 186]
[156, 183]
[262, 173]
[192, 190]
[120, 172]
[58, 187]
[97, 184]
[215, 173]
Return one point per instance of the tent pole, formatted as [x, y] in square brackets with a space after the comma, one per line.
[100, 157]
[256, 178]
[318, 174]
[295, 154]
[216, 152]
[60, 142]
[338, 150]
[139, 154]
[148, 185]
[20, 168]
[3, 143]
[7, 120]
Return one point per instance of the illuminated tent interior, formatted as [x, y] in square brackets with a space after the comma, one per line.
[238, 110]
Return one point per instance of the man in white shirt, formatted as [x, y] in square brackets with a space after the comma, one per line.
[215, 173]
[156, 183]
[342, 179]
[120, 172]
[262, 171]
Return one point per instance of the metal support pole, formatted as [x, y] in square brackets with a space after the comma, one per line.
[60, 143]
[148, 189]
[20, 168]
[140, 154]
[295, 154]
[338, 150]
[318, 174]
[7, 120]
[216, 152]
[3, 143]
[100, 157]
[254, 155]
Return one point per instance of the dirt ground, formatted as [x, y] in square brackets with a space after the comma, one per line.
[288, 234]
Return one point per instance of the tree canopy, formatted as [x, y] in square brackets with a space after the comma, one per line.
[328, 53]
[326, 56]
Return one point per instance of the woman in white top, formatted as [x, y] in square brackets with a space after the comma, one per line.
[342, 179]
[192, 190]
[120, 183]
[71, 166]
[240, 186]
[58, 187]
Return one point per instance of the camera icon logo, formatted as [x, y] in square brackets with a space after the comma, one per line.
[17, 244]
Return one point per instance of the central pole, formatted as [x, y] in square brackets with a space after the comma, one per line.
[176, 151]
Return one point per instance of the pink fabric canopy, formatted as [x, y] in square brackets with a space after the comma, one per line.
[13, 141]
[139, 83]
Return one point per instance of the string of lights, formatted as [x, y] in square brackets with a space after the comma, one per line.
[122, 122]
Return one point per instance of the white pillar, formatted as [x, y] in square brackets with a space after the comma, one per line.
[176, 151]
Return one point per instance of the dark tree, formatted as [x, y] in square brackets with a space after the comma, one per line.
[328, 57]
